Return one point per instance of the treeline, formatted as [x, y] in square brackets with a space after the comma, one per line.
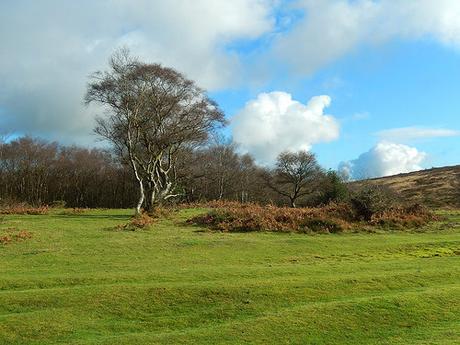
[218, 172]
[45, 173]
[42, 173]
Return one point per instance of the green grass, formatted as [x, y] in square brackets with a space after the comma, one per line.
[78, 282]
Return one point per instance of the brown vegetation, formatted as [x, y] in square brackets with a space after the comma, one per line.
[145, 220]
[23, 208]
[138, 222]
[411, 216]
[14, 235]
[333, 218]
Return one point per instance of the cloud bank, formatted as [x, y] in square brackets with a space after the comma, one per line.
[49, 48]
[274, 122]
[384, 159]
[334, 28]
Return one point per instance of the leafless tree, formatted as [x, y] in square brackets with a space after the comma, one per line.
[38, 172]
[294, 175]
[218, 172]
[153, 112]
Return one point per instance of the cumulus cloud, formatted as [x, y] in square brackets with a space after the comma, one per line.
[412, 133]
[274, 122]
[384, 159]
[334, 28]
[49, 48]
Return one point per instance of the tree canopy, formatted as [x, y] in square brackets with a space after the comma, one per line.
[153, 113]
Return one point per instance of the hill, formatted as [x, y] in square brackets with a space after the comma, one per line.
[436, 187]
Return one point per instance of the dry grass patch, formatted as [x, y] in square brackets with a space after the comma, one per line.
[138, 222]
[24, 209]
[11, 235]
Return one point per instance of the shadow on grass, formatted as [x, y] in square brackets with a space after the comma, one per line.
[93, 216]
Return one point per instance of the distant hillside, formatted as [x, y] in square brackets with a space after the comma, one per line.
[437, 187]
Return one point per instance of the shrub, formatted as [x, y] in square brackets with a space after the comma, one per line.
[160, 212]
[370, 200]
[250, 217]
[58, 204]
[409, 216]
[137, 222]
[333, 218]
[324, 225]
[24, 209]
[141, 221]
[332, 189]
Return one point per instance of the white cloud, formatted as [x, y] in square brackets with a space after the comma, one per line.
[49, 48]
[384, 159]
[274, 122]
[334, 28]
[329, 30]
[412, 133]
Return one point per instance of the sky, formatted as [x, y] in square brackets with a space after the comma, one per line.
[372, 87]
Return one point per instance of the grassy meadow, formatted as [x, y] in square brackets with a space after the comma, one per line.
[78, 281]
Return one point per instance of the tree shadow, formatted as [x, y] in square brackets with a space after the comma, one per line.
[93, 216]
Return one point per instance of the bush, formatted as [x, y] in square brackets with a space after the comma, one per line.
[333, 218]
[138, 222]
[58, 204]
[160, 212]
[237, 217]
[141, 221]
[409, 216]
[332, 189]
[370, 200]
[324, 225]
[24, 209]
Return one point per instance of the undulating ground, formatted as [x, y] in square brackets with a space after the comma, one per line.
[77, 281]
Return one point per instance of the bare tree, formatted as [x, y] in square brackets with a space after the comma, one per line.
[294, 175]
[39, 172]
[153, 112]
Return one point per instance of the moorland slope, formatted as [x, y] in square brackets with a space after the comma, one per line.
[436, 187]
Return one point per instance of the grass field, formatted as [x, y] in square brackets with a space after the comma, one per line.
[76, 281]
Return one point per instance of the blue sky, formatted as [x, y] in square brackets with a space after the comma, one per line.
[399, 84]
[371, 86]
